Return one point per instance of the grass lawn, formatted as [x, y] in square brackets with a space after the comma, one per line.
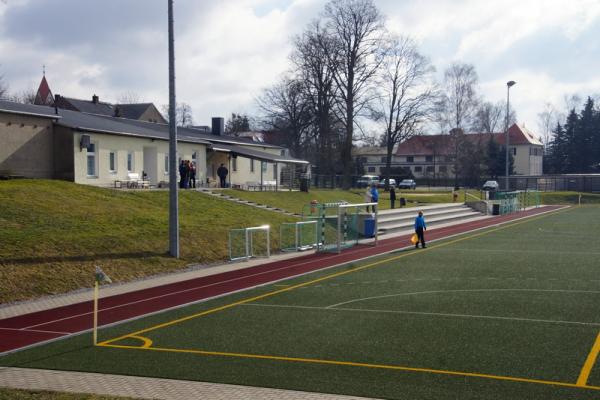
[510, 312]
[54, 232]
[16, 394]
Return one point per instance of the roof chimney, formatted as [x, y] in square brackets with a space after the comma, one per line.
[56, 100]
[218, 126]
[95, 99]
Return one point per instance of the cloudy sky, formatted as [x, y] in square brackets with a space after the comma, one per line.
[227, 51]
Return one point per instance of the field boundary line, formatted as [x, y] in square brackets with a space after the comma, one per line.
[334, 275]
[369, 310]
[586, 370]
[364, 365]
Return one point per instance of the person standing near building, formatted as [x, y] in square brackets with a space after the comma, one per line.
[374, 196]
[368, 196]
[192, 175]
[222, 173]
[420, 227]
[392, 197]
[182, 174]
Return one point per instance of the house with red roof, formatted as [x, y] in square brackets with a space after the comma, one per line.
[432, 155]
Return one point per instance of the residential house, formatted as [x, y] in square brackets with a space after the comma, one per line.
[96, 149]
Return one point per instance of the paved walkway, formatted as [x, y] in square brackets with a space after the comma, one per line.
[146, 388]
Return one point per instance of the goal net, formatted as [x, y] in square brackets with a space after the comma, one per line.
[245, 243]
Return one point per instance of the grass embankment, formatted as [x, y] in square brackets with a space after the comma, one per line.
[295, 201]
[53, 233]
[16, 394]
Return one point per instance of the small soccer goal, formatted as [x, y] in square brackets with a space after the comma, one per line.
[245, 243]
[342, 225]
[298, 236]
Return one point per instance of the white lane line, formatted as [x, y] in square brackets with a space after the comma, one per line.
[34, 330]
[433, 314]
[180, 292]
[463, 291]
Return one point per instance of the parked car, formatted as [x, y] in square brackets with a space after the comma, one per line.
[367, 180]
[407, 184]
[392, 183]
[491, 186]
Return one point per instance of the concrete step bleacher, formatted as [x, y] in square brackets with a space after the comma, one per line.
[403, 219]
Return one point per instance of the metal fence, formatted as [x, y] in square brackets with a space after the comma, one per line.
[546, 183]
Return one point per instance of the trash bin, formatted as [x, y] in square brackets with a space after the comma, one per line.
[402, 202]
[495, 209]
[370, 227]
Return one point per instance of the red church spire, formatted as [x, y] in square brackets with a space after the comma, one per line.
[44, 94]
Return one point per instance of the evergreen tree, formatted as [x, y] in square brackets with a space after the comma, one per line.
[584, 139]
[557, 152]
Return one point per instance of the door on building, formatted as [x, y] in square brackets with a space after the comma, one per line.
[151, 165]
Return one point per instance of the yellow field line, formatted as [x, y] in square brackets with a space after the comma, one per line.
[364, 365]
[589, 363]
[147, 341]
[334, 275]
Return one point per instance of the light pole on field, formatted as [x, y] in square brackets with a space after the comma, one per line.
[173, 195]
[509, 84]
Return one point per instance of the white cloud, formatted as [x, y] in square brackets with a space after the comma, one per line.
[228, 51]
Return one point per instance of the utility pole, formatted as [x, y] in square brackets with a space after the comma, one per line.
[173, 195]
[509, 84]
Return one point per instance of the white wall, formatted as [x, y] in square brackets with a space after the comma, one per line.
[122, 145]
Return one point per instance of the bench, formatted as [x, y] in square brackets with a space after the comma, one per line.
[266, 185]
[133, 182]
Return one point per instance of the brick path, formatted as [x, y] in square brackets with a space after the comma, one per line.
[147, 388]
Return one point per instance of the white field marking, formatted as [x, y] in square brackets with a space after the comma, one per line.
[464, 291]
[570, 233]
[218, 283]
[384, 253]
[34, 330]
[493, 278]
[367, 310]
[593, 253]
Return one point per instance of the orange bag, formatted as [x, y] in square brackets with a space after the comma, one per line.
[414, 239]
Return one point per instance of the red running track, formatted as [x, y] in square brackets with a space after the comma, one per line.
[38, 327]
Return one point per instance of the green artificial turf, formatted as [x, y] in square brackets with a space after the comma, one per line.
[516, 301]
[17, 394]
[52, 233]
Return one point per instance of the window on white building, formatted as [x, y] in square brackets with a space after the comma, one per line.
[371, 169]
[418, 169]
[112, 162]
[263, 166]
[195, 158]
[130, 161]
[166, 163]
[251, 165]
[410, 159]
[428, 158]
[234, 164]
[91, 160]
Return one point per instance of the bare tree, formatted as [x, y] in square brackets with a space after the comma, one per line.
[316, 72]
[355, 27]
[26, 96]
[490, 117]
[458, 104]
[460, 97]
[183, 114]
[3, 88]
[408, 94]
[129, 97]
[287, 111]
[547, 121]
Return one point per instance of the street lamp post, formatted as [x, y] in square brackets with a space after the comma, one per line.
[173, 195]
[509, 84]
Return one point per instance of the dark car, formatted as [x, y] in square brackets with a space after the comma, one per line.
[491, 186]
[407, 184]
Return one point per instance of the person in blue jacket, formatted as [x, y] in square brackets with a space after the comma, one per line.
[420, 227]
[374, 195]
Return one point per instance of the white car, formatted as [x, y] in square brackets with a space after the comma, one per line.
[392, 183]
[491, 186]
[367, 180]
